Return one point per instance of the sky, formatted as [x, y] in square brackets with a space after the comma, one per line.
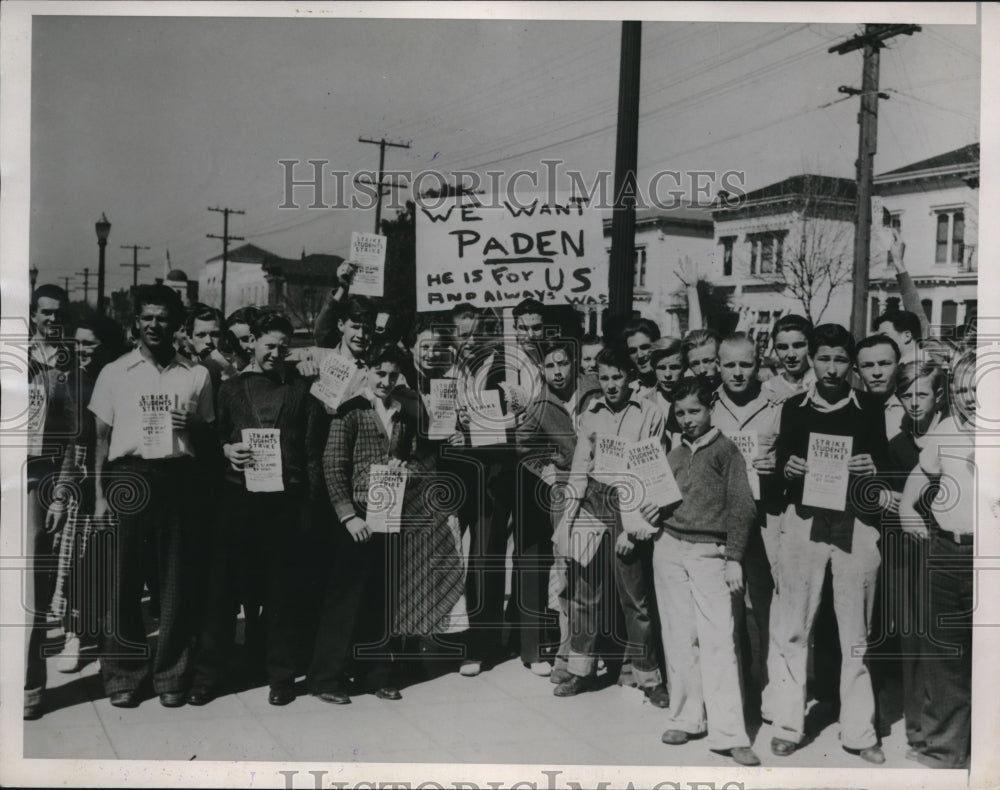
[152, 120]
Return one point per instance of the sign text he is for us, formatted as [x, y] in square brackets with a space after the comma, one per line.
[498, 256]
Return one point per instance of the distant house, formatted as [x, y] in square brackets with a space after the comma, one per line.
[246, 283]
[935, 205]
[299, 285]
[663, 237]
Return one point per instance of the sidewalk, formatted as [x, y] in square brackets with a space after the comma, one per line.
[506, 715]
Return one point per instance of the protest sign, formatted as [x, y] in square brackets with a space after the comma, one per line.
[648, 468]
[155, 423]
[386, 487]
[826, 478]
[368, 252]
[442, 403]
[498, 255]
[263, 472]
[748, 443]
[486, 420]
[609, 455]
[337, 378]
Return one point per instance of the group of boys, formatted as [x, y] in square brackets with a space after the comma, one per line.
[172, 447]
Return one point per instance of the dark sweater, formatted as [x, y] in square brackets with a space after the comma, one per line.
[718, 505]
[256, 400]
[865, 424]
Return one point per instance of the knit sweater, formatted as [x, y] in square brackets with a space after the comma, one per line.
[718, 505]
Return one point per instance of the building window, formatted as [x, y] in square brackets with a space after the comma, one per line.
[950, 238]
[949, 317]
[896, 223]
[766, 252]
[727, 255]
[928, 305]
[639, 267]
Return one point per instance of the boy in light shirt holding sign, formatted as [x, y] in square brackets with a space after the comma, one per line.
[271, 431]
[608, 426]
[831, 445]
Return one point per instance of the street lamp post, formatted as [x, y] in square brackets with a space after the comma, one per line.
[33, 274]
[103, 228]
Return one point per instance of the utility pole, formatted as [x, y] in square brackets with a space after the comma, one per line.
[135, 268]
[66, 280]
[225, 247]
[620, 274]
[86, 284]
[382, 145]
[871, 42]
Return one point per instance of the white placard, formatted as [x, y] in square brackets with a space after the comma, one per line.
[156, 425]
[386, 488]
[337, 375]
[368, 252]
[442, 403]
[648, 467]
[748, 443]
[827, 476]
[486, 419]
[496, 252]
[263, 472]
[610, 458]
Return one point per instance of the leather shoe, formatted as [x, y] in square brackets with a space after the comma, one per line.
[675, 737]
[657, 695]
[560, 675]
[280, 696]
[744, 755]
[388, 692]
[335, 697]
[124, 699]
[172, 699]
[781, 747]
[200, 696]
[33, 712]
[575, 685]
[873, 754]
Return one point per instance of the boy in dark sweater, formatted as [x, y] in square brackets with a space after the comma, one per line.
[256, 541]
[696, 572]
[844, 538]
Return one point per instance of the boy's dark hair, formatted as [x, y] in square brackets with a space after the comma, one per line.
[616, 357]
[697, 338]
[643, 325]
[464, 308]
[665, 347]
[272, 321]
[359, 309]
[877, 340]
[49, 291]
[387, 353]
[244, 315]
[590, 339]
[902, 321]
[566, 346]
[832, 336]
[202, 312]
[527, 307]
[791, 323]
[697, 386]
[160, 296]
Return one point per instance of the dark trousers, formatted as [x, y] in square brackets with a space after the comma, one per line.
[538, 626]
[899, 632]
[589, 585]
[256, 545]
[946, 718]
[760, 591]
[38, 593]
[354, 626]
[487, 568]
[156, 523]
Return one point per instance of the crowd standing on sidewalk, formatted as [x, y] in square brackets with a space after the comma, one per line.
[189, 467]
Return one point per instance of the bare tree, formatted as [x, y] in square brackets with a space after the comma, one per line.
[301, 304]
[816, 258]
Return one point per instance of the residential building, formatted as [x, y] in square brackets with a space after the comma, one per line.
[246, 283]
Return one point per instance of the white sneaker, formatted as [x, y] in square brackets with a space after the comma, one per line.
[541, 668]
[69, 659]
[470, 669]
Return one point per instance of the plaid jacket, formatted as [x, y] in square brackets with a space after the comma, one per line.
[357, 440]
